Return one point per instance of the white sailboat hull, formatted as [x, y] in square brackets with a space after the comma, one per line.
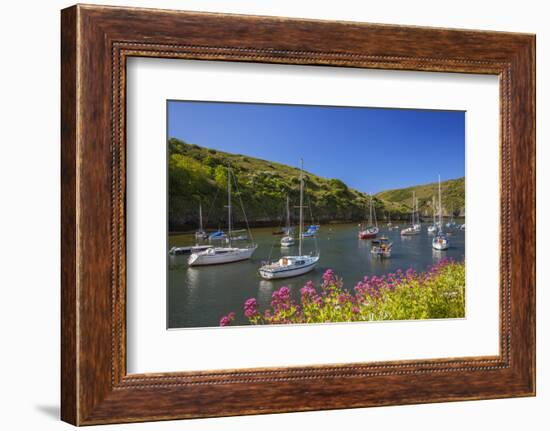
[440, 244]
[381, 253]
[409, 231]
[219, 255]
[277, 271]
[287, 241]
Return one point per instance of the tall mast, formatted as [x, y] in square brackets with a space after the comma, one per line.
[301, 206]
[433, 207]
[287, 214]
[374, 211]
[200, 216]
[439, 187]
[370, 211]
[229, 204]
[412, 215]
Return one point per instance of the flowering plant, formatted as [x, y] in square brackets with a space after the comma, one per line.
[433, 294]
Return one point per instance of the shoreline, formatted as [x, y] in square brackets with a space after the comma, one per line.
[382, 224]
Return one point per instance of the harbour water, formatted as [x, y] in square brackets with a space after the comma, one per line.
[200, 296]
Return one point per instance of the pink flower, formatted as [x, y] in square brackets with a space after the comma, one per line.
[328, 276]
[280, 299]
[250, 307]
[308, 292]
[225, 321]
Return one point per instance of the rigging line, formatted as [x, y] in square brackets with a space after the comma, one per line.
[312, 222]
[211, 207]
[275, 240]
[242, 207]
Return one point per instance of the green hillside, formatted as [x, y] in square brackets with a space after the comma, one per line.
[452, 197]
[198, 174]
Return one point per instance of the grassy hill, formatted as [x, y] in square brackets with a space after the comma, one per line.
[198, 174]
[452, 197]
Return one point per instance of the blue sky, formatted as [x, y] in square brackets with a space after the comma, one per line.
[370, 149]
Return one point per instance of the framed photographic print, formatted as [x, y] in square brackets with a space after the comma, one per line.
[288, 207]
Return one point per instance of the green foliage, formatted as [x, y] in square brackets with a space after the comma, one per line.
[198, 174]
[453, 197]
[439, 298]
[435, 294]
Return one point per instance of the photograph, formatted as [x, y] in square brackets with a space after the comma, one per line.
[302, 214]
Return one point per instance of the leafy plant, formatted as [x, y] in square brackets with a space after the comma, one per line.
[435, 294]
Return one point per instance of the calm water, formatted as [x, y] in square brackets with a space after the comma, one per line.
[200, 296]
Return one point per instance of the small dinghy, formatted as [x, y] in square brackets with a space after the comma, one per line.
[381, 247]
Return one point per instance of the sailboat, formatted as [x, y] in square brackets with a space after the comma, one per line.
[433, 227]
[288, 239]
[413, 229]
[200, 234]
[440, 242]
[371, 230]
[416, 222]
[217, 255]
[292, 266]
[311, 231]
[451, 223]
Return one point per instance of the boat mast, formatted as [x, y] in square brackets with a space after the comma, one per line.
[287, 214]
[439, 190]
[200, 217]
[229, 204]
[433, 208]
[301, 206]
[412, 215]
[374, 211]
[370, 211]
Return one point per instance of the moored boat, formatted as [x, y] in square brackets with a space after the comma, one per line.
[414, 228]
[288, 239]
[441, 241]
[219, 255]
[219, 234]
[371, 230]
[200, 234]
[290, 265]
[381, 247]
[433, 227]
[188, 249]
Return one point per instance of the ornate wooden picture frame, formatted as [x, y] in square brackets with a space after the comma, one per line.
[96, 41]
